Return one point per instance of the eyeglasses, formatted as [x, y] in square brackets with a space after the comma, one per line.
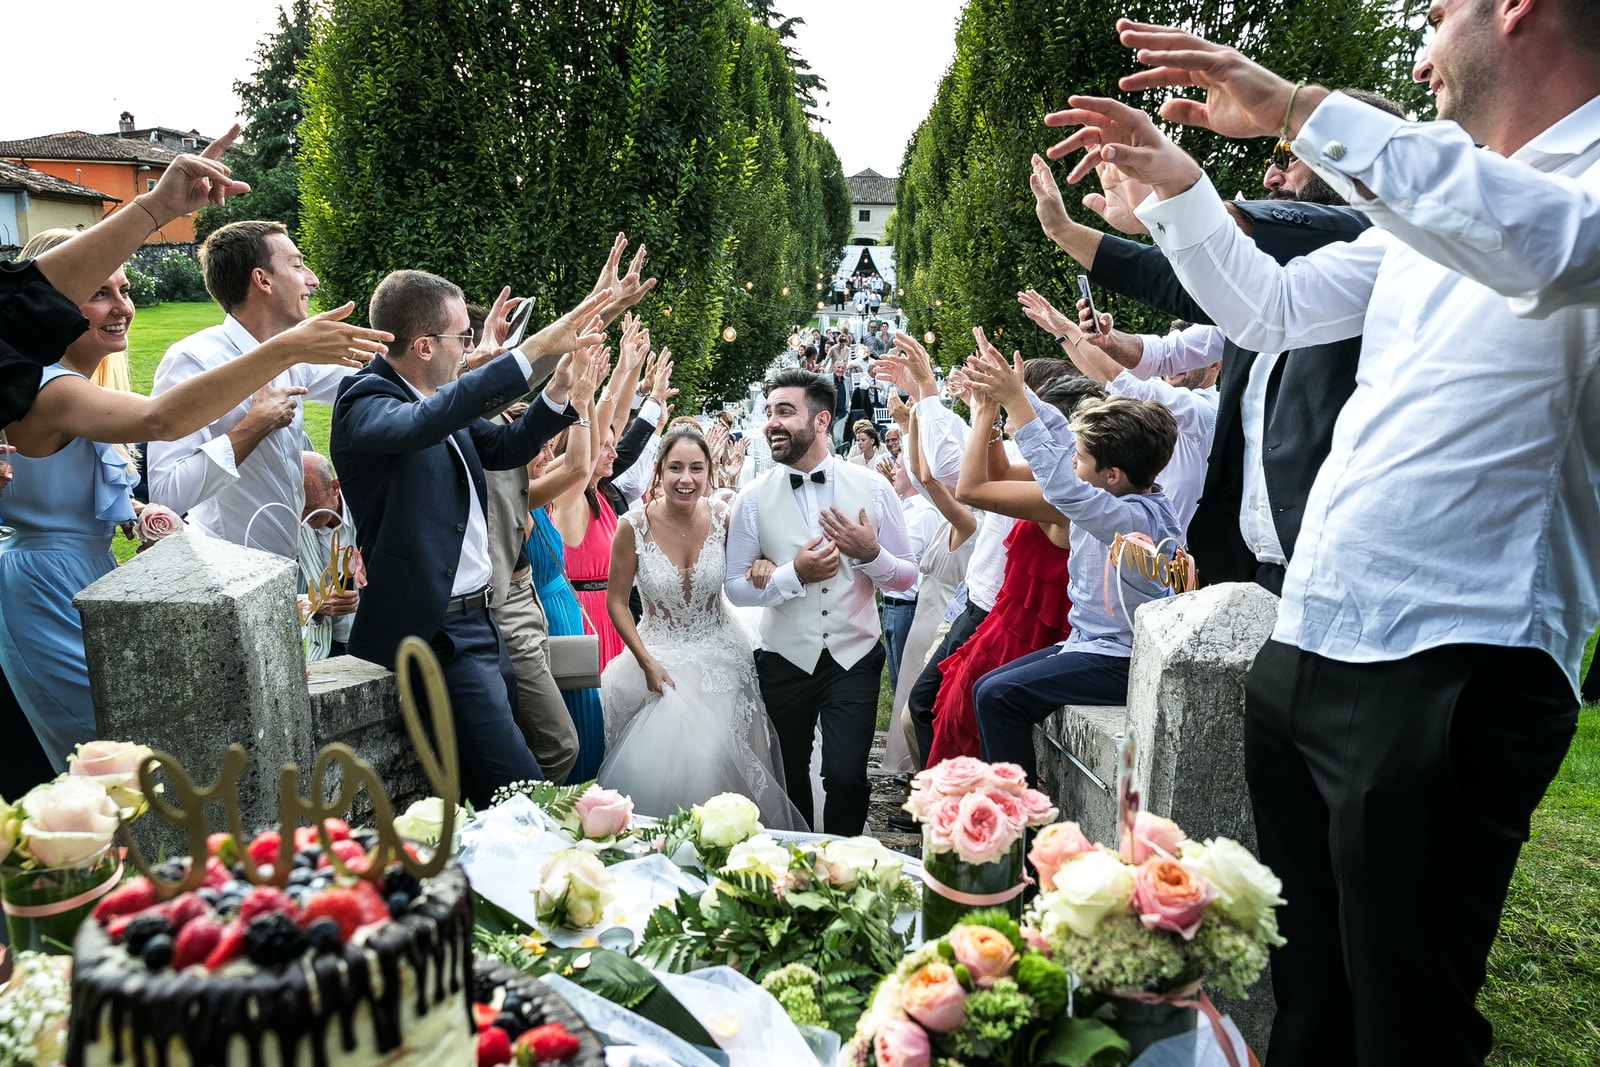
[467, 339]
[1282, 158]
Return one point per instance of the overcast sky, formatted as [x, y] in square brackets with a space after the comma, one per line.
[174, 63]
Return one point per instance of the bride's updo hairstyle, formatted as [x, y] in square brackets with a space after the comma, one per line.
[683, 428]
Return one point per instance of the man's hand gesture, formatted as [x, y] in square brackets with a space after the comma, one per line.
[191, 182]
[1122, 194]
[817, 560]
[1113, 132]
[858, 539]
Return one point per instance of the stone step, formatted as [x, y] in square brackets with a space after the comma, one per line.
[1077, 749]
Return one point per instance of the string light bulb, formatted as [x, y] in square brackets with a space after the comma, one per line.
[819, 305]
[819, 287]
[729, 334]
[928, 338]
[749, 286]
[938, 303]
[794, 340]
[784, 290]
[667, 311]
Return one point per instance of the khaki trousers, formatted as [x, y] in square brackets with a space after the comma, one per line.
[542, 714]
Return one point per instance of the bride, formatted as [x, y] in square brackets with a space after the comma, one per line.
[684, 718]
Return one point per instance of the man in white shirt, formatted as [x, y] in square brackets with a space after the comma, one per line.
[827, 533]
[248, 461]
[1423, 672]
[922, 525]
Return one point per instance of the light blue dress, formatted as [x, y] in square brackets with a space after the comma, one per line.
[565, 620]
[64, 508]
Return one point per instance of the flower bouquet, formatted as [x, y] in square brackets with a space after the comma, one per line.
[710, 831]
[830, 906]
[573, 890]
[983, 994]
[974, 816]
[56, 858]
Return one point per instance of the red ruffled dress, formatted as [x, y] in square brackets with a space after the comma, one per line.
[1029, 613]
[588, 567]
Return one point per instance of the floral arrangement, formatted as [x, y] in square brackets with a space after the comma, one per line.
[829, 906]
[980, 995]
[33, 1011]
[1158, 913]
[73, 818]
[573, 890]
[710, 830]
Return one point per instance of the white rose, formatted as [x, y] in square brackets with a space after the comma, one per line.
[1088, 887]
[846, 863]
[573, 890]
[1247, 890]
[727, 819]
[423, 821]
[67, 821]
[10, 828]
[761, 855]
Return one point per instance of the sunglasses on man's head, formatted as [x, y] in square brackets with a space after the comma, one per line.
[1282, 158]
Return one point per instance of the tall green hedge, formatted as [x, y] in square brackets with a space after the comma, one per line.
[507, 141]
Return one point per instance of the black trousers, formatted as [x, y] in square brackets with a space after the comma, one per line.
[1392, 799]
[925, 692]
[846, 702]
[23, 763]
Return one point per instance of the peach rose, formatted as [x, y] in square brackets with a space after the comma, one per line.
[1039, 807]
[934, 998]
[901, 1044]
[960, 775]
[1152, 836]
[602, 813]
[1008, 776]
[1053, 846]
[942, 824]
[1169, 896]
[986, 953]
[982, 832]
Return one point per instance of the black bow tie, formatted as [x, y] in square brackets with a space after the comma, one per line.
[797, 480]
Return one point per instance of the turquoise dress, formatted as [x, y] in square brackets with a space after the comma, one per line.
[64, 508]
[565, 620]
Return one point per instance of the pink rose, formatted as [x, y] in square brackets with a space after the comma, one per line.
[933, 997]
[98, 758]
[1009, 805]
[156, 522]
[1169, 896]
[67, 821]
[1009, 777]
[901, 1044]
[942, 823]
[1035, 940]
[1038, 806]
[603, 813]
[1054, 846]
[960, 775]
[923, 799]
[985, 952]
[1152, 836]
[982, 832]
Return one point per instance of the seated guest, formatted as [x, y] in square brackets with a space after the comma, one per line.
[1100, 472]
[321, 521]
[865, 452]
[410, 438]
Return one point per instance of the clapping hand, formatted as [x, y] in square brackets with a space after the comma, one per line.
[886, 467]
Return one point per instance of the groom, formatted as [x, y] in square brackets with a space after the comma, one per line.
[834, 530]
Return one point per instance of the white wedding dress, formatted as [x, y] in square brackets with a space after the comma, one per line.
[707, 733]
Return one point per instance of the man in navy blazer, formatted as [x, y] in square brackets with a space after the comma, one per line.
[411, 441]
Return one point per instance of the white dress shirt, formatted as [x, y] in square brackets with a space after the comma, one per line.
[1457, 504]
[633, 482]
[1195, 412]
[892, 570]
[197, 474]
[923, 523]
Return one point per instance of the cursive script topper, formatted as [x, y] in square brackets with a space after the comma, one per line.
[187, 808]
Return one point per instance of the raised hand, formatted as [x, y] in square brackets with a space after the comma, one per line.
[496, 325]
[661, 380]
[1096, 328]
[900, 412]
[1122, 194]
[1116, 133]
[858, 539]
[717, 439]
[578, 328]
[324, 339]
[1243, 98]
[626, 290]
[1047, 203]
[589, 367]
[919, 365]
[191, 182]
[1043, 314]
[989, 373]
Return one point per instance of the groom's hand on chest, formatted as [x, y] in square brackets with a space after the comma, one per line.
[858, 540]
[817, 561]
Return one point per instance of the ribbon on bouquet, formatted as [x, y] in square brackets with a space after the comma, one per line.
[42, 911]
[1192, 996]
[976, 900]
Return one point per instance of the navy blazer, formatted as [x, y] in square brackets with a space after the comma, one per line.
[1305, 394]
[407, 491]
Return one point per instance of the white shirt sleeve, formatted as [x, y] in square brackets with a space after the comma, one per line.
[744, 548]
[1179, 351]
[195, 467]
[1529, 235]
[942, 437]
[1188, 410]
[894, 569]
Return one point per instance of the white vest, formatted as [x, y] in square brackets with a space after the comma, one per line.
[838, 614]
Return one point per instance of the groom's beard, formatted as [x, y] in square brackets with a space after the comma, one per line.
[786, 447]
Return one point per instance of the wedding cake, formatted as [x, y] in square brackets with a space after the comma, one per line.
[322, 972]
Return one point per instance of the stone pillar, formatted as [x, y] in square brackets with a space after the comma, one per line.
[1186, 715]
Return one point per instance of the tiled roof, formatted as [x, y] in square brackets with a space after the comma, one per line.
[39, 183]
[870, 187]
[89, 147]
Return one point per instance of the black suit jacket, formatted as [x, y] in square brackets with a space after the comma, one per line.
[1307, 390]
[407, 491]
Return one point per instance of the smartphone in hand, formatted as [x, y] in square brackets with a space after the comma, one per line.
[1094, 316]
[519, 323]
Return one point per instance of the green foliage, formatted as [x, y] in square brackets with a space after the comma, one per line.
[1045, 981]
[1079, 1043]
[995, 1021]
[557, 800]
[966, 238]
[179, 279]
[506, 142]
[270, 103]
[142, 288]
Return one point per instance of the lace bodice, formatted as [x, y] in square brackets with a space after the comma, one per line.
[682, 605]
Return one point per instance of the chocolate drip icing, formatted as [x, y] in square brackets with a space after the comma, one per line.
[147, 1010]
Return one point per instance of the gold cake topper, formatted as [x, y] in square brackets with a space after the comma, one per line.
[439, 766]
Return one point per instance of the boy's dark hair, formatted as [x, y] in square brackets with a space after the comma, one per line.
[1068, 391]
[1038, 373]
[410, 304]
[1135, 435]
[818, 389]
[229, 255]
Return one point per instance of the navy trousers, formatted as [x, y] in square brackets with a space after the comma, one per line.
[1012, 698]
